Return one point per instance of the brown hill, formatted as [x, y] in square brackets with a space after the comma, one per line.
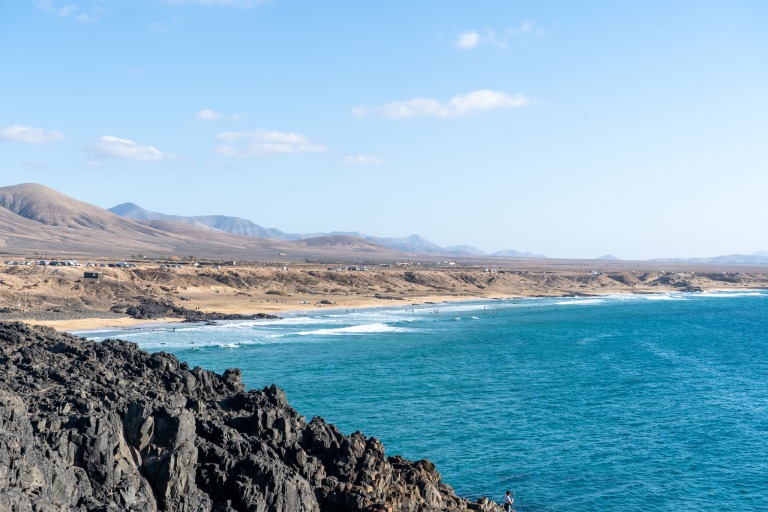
[341, 242]
[47, 206]
[35, 218]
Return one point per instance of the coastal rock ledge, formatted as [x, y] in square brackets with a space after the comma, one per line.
[106, 427]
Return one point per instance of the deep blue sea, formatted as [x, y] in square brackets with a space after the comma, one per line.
[631, 402]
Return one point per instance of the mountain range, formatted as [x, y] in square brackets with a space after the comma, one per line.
[413, 244]
[38, 219]
[35, 219]
[756, 258]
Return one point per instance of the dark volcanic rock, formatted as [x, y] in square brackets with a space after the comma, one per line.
[90, 426]
[148, 309]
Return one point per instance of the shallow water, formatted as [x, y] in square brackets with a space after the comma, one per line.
[616, 403]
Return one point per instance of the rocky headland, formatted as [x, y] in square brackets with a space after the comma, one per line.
[88, 426]
[151, 309]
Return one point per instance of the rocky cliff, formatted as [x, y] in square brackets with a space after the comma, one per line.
[90, 426]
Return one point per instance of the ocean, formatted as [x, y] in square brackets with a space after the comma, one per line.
[626, 402]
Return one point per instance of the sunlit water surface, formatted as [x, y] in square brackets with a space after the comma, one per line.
[652, 402]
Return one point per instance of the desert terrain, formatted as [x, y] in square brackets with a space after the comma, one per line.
[64, 298]
[176, 271]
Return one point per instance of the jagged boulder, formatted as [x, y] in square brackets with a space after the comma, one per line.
[93, 427]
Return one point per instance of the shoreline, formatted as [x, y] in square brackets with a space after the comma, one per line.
[93, 324]
[131, 412]
[68, 301]
[86, 325]
[96, 324]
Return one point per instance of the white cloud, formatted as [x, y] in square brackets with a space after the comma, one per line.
[209, 115]
[467, 40]
[458, 106]
[482, 100]
[362, 160]
[264, 142]
[416, 107]
[212, 115]
[29, 134]
[126, 149]
[472, 39]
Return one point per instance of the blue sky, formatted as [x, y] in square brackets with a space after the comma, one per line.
[570, 129]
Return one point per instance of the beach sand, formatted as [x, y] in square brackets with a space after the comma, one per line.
[91, 324]
[65, 300]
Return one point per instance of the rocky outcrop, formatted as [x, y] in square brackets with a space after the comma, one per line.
[147, 309]
[106, 427]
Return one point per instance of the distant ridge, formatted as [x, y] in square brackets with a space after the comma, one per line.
[413, 244]
[517, 254]
[757, 258]
[223, 223]
[465, 249]
[37, 219]
[608, 257]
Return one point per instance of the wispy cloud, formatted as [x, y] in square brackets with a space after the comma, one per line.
[29, 134]
[472, 39]
[209, 115]
[212, 115]
[458, 106]
[71, 10]
[467, 40]
[526, 28]
[63, 11]
[245, 4]
[362, 160]
[126, 149]
[247, 144]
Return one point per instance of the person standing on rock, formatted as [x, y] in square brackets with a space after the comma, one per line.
[509, 501]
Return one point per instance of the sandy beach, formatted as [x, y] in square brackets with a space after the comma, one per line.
[235, 307]
[63, 298]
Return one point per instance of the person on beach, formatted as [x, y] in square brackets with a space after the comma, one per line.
[509, 501]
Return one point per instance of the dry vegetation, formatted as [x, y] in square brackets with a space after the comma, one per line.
[50, 293]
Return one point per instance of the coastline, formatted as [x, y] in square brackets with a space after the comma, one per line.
[95, 323]
[288, 306]
[67, 301]
[153, 434]
[353, 343]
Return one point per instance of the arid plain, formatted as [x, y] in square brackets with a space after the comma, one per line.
[176, 271]
[63, 297]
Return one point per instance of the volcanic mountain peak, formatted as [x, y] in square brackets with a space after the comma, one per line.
[47, 206]
[35, 218]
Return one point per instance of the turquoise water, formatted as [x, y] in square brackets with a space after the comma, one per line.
[615, 403]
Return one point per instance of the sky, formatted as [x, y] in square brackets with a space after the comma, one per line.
[569, 129]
